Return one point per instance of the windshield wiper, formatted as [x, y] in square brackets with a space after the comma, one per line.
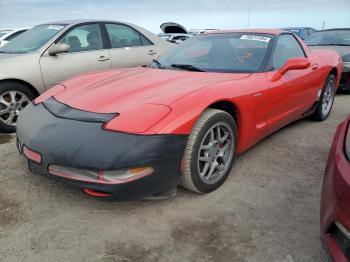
[160, 66]
[187, 67]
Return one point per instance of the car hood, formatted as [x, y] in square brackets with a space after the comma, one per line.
[172, 28]
[342, 50]
[117, 90]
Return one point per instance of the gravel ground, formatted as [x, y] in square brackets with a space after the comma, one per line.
[267, 210]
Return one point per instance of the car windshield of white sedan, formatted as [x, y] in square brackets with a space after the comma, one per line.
[32, 39]
[229, 52]
[331, 37]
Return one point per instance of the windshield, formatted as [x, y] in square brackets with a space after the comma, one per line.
[334, 37]
[229, 52]
[32, 39]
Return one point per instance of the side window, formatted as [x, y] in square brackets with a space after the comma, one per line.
[83, 38]
[125, 36]
[303, 33]
[311, 31]
[286, 47]
[145, 41]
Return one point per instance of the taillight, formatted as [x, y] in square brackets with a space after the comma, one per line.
[32, 155]
[101, 177]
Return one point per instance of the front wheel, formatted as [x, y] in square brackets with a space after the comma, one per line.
[210, 151]
[13, 98]
[325, 103]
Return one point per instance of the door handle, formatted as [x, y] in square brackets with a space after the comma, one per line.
[314, 66]
[102, 58]
[152, 52]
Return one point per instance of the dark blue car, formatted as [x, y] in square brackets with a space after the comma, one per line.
[302, 32]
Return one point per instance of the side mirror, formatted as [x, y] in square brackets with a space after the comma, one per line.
[58, 48]
[298, 63]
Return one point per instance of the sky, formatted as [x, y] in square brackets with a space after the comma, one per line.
[220, 14]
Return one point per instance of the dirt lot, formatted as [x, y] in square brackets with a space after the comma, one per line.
[268, 210]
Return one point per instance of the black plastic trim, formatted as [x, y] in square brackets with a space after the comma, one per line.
[347, 136]
[342, 241]
[64, 111]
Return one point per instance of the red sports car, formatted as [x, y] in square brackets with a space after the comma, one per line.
[132, 133]
[335, 202]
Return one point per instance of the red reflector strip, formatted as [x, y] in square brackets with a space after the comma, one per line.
[32, 155]
[95, 193]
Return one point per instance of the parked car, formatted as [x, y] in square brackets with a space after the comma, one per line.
[175, 38]
[8, 35]
[335, 201]
[201, 31]
[132, 133]
[336, 39]
[302, 32]
[174, 33]
[39, 58]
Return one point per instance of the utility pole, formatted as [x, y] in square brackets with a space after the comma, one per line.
[249, 12]
[323, 25]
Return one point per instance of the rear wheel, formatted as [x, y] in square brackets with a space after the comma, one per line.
[210, 151]
[13, 98]
[325, 103]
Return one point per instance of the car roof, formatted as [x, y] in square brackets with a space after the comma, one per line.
[79, 21]
[260, 31]
[334, 29]
[297, 27]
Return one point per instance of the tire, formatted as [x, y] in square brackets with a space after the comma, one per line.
[14, 97]
[346, 90]
[197, 148]
[328, 94]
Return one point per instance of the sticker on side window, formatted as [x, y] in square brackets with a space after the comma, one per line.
[256, 38]
[55, 27]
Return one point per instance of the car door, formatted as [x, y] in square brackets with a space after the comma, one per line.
[293, 94]
[87, 52]
[128, 47]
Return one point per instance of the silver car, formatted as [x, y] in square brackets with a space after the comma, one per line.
[49, 53]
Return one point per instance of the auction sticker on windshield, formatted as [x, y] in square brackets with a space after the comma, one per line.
[256, 38]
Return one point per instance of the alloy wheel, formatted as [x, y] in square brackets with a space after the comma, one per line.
[328, 98]
[215, 153]
[11, 104]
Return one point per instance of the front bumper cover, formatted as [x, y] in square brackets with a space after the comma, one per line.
[86, 145]
[335, 199]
